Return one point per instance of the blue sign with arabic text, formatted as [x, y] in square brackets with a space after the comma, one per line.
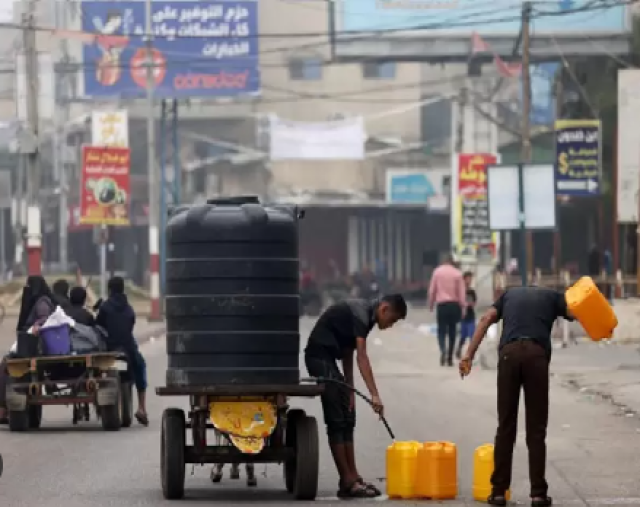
[200, 49]
[577, 157]
[411, 188]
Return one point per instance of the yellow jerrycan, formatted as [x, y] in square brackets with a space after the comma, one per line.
[591, 308]
[402, 458]
[482, 470]
[437, 471]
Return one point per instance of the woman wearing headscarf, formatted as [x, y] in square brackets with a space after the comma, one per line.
[36, 306]
[38, 302]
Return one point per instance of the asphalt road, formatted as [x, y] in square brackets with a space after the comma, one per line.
[594, 452]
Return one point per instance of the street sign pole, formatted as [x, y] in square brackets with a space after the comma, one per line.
[523, 227]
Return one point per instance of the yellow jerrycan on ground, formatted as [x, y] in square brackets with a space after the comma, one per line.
[591, 308]
[437, 471]
[402, 461]
[482, 470]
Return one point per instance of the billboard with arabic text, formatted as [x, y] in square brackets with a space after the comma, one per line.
[200, 49]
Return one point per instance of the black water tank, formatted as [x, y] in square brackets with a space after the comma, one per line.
[232, 294]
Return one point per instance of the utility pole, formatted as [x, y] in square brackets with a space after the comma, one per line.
[527, 236]
[34, 236]
[154, 191]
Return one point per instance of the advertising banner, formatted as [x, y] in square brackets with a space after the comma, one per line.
[105, 190]
[428, 187]
[473, 232]
[205, 49]
[577, 157]
[329, 140]
[110, 128]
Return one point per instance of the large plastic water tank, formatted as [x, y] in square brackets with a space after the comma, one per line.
[232, 294]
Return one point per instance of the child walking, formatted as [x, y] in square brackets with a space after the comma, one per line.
[468, 323]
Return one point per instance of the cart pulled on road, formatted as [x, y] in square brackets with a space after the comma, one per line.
[259, 425]
[98, 381]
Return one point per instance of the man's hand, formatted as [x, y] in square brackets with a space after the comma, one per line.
[377, 405]
[352, 401]
[465, 366]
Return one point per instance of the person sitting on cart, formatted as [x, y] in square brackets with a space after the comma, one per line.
[339, 332]
[118, 319]
[60, 289]
[77, 311]
[35, 307]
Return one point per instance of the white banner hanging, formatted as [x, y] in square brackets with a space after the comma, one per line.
[330, 140]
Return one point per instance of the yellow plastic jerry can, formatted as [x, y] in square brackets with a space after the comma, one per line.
[591, 308]
[482, 471]
[402, 460]
[437, 471]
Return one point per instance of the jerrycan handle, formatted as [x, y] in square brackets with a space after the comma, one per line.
[234, 201]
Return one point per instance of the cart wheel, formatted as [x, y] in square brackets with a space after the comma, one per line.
[126, 404]
[305, 486]
[35, 416]
[18, 420]
[290, 442]
[172, 444]
[1, 466]
[110, 414]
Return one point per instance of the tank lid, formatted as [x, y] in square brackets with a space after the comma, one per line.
[234, 201]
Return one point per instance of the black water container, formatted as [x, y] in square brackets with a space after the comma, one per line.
[232, 294]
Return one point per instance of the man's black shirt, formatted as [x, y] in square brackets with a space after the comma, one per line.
[471, 311]
[529, 313]
[339, 326]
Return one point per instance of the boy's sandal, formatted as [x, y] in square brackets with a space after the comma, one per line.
[369, 486]
[356, 490]
[142, 418]
[497, 500]
[542, 502]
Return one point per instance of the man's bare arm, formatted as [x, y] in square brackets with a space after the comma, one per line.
[364, 365]
[490, 317]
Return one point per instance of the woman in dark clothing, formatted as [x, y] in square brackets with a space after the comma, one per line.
[36, 306]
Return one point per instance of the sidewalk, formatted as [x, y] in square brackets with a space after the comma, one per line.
[144, 330]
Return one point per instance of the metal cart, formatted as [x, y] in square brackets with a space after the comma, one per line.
[293, 442]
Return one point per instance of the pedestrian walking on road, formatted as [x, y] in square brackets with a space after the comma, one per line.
[447, 293]
[339, 332]
[527, 315]
[468, 324]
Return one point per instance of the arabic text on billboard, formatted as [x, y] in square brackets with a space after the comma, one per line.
[207, 49]
[557, 17]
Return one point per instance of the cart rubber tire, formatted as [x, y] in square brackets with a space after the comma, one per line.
[305, 486]
[1, 465]
[172, 444]
[19, 420]
[126, 404]
[35, 416]
[290, 442]
[110, 414]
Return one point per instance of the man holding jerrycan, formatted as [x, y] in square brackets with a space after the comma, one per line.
[527, 314]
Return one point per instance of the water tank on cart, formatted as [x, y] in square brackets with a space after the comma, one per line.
[232, 294]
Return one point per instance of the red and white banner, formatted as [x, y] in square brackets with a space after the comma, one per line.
[505, 69]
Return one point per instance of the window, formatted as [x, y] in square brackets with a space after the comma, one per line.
[379, 70]
[305, 69]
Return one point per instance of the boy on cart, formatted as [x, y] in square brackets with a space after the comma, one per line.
[118, 318]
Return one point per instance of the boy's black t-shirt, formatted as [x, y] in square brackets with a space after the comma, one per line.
[471, 311]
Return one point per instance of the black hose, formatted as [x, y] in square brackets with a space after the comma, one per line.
[320, 380]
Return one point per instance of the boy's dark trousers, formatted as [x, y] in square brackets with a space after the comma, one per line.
[523, 364]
